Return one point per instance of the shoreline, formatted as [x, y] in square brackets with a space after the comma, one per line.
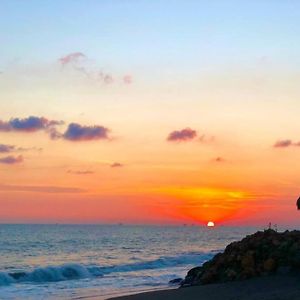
[123, 294]
[279, 287]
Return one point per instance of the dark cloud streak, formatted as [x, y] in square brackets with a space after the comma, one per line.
[11, 160]
[41, 189]
[183, 135]
[116, 165]
[7, 148]
[86, 172]
[77, 132]
[30, 124]
[286, 143]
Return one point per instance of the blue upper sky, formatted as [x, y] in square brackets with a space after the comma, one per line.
[178, 34]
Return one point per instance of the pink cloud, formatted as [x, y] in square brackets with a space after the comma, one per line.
[71, 58]
[286, 143]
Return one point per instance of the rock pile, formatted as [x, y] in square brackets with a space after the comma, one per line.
[263, 253]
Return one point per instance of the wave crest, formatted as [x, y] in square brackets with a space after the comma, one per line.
[77, 271]
[48, 274]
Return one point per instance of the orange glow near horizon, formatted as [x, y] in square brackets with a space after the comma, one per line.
[202, 205]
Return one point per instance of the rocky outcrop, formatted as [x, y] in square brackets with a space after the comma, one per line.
[263, 253]
[176, 281]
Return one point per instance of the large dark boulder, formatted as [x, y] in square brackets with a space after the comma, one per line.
[260, 254]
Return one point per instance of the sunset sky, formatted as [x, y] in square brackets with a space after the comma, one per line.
[138, 111]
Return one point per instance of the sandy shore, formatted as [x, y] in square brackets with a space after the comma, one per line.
[283, 287]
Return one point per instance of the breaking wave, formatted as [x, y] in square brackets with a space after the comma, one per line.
[77, 271]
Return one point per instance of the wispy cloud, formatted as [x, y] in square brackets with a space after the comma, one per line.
[54, 134]
[4, 148]
[116, 165]
[4, 126]
[105, 77]
[79, 62]
[11, 160]
[72, 58]
[7, 148]
[127, 79]
[219, 159]
[286, 143]
[41, 189]
[85, 172]
[206, 138]
[77, 132]
[183, 135]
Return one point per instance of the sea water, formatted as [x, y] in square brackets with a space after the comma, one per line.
[78, 261]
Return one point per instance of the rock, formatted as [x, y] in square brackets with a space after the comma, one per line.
[176, 281]
[248, 262]
[269, 265]
[295, 260]
[259, 254]
[231, 274]
[193, 272]
[209, 276]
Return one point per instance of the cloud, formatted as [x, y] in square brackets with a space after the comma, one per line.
[219, 159]
[41, 189]
[4, 126]
[77, 132]
[86, 172]
[127, 79]
[11, 160]
[7, 148]
[54, 134]
[116, 165]
[12, 148]
[30, 124]
[206, 139]
[186, 134]
[71, 58]
[79, 62]
[286, 143]
[74, 131]
[105, 78]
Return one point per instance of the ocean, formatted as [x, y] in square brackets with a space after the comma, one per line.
[85, 261]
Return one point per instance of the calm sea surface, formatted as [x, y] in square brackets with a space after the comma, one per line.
[72, 261]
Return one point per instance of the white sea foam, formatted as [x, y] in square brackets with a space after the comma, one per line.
[77, 271]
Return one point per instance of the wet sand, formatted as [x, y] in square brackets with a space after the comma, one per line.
[279, 287]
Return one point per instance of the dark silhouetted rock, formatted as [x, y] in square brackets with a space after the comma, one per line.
[176, 281]
[260, 254]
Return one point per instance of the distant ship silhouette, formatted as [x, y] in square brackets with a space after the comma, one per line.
[298, 203]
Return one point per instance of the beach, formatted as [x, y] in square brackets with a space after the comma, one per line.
[279, 287]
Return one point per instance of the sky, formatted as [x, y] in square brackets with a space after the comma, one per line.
[149, 112]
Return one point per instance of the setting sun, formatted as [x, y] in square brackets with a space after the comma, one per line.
[210, 224]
